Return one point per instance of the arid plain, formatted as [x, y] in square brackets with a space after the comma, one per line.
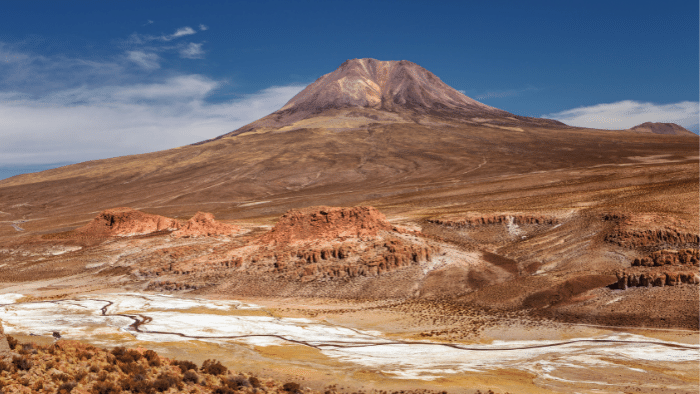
[422, 239]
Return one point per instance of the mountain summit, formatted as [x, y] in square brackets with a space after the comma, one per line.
[384, 85]
[363, 91]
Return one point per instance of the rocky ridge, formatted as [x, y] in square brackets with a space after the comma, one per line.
[203, 224]
[126, 222]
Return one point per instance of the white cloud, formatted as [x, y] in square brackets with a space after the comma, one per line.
[149, 61]
[85, 123]
[203, 27]
[138, 39]
[192, 51]
[628, 113]
[183, 31]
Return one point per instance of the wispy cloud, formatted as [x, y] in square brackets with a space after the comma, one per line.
[203, 27]
[629, 113]
[149, 61]
[181, 32]
[192, 51]
[136, 38]
[85, 123]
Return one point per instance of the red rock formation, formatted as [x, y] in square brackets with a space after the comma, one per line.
[326, 223]
[203, 224]
[314, 244]
[125, 222]
[656, 278]
[669, 257]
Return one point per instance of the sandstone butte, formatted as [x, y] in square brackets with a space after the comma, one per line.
[326, 223]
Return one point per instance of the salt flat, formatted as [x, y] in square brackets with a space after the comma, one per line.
[611, 360]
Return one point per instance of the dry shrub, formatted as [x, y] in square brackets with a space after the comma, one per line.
[166, 381]
[132, 368]
[152, 358]
[126, 356]
[236, 382]
[184, 365]
[137, 385]
[190, 377]
[11, 341]
[5, 366]
[80, 376]
[66, 387]
[255, 382]
[26, 349]
[94, 368]
[61, 377]
[291, 387]
[223, 390]
[213, 367]
[105, 388]
[22, 363]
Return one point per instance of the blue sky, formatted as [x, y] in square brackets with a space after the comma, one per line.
[83, 80]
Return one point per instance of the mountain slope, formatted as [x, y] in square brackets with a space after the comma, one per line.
[367, 131]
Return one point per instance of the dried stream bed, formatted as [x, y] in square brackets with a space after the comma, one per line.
[615, 362]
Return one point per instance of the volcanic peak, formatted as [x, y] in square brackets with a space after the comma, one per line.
[383, 85]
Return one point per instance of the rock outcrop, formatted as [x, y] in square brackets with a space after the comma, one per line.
[326, 223]
[318, 246]
[656, 278]
[669, 257]
[202, 225]
[475, 221]
[646, 231]
[126, 222]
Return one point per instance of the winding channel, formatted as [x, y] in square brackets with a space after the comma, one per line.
[140, 319]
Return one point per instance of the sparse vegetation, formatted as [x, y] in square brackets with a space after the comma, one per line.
[70, 367]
